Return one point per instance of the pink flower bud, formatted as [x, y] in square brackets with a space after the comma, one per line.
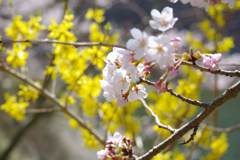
[176, 42]
[161, 86]
[211, 60]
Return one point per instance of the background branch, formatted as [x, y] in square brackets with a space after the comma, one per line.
[26, 127]
[75, 44]
[235, 73]
[52, 98]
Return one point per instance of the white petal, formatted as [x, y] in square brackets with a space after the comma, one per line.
[132, 44]
[155, 14]
[136, 33]
[154, 24]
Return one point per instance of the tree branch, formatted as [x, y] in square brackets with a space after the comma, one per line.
[52, 98]
[42, 110]
[226, 130]
[228, 94]
[235, 73]
[185, 99]
[75, 44]
[188, 100]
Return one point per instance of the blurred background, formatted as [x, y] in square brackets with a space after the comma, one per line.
[49, 137]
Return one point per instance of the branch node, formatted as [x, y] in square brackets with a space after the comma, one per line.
[192, 136]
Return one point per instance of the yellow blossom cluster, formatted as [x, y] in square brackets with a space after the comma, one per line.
[213, 40]
[22, 30]
[16, 105]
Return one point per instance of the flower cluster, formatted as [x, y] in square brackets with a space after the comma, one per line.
[117, 147]
[125, 67]
[120, 74]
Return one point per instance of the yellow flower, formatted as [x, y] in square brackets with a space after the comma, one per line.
[95, 14]
[17, 56]
[15, 108]
[28, 93]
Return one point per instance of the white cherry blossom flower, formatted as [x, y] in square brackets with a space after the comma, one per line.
[117, 147]
[108, 71]
[120, 80]
[116, 138]
[160, 51]
[132, 73]
[138, 43]
[173, 1]
[164, 20]
[137, 92]
[119, 57]
[115, 87]
[102, 154]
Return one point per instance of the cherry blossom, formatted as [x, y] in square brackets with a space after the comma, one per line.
[120, 76]
[116, 87]
[119, 57]
[117, 147]
[160, 51]
[164, 20]
[136, 92]
[139, 43]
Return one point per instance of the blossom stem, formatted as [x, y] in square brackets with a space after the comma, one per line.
[185, 99]
[235, 73]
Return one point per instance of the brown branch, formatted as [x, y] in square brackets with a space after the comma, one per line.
[188, 100]
[52, 98]
[185, 99]
[235, 73]
[215, 104]
[75, 44]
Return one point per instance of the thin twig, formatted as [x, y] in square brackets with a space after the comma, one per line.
[188, 100]
[185, 99]
[75, 44]
[42, 110]
[159, 124]
[235, 73]
[52, 98]
[226, 129]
